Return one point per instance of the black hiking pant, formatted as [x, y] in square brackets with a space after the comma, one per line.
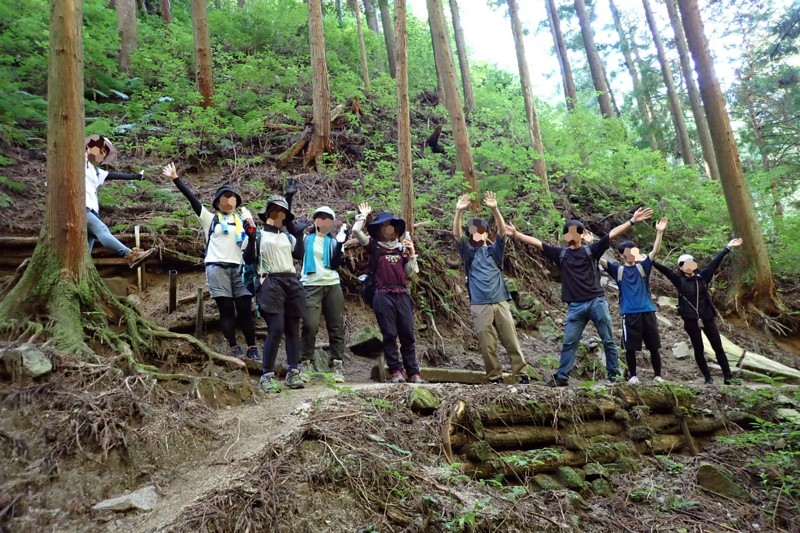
[712, 333]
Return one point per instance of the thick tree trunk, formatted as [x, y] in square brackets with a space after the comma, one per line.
[648, 96]
[436, 64]
[166, 11]
[706, 144]
[202, 47]
[675, 108]
[595, 64]
[644, 111]
[388, 36]
[126, 26]
[535, 131]
[361, 45]
[404, 116]
[463, 63]
[321, 136]
[570, 94]
[760, 288]
[371, 15]
[452, 100]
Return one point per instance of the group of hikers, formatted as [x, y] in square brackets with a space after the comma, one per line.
[244, 260]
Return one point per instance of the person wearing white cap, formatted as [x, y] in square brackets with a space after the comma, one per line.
[696, 308]
[321, 261]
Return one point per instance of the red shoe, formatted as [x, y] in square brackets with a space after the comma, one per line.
[416, 378]
[398, 377]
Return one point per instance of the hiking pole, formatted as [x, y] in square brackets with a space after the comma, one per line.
[173, 291]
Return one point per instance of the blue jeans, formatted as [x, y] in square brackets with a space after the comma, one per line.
[97, 230]
[578, 315]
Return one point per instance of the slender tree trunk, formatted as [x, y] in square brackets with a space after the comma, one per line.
[610, 92]
[388, 35]
[126, 26]
[595, 64]
[339, 15]
[361, 45]
[535, 131]
[706, 144]
[675, 108]
[321, 136]
[452, 100]
[404, 116]
[166, 11]
[202, 47]
[437, 61]
[371, 15]
[463, 63]
[570, 94]
[647, 118]
[241, 3]
[760, 289]
[648, 97]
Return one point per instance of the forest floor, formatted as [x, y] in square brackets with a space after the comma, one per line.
[351, 457]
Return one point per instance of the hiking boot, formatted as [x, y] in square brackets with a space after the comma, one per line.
[338, 371]
[524, 380]
[496, 381]
[293, 379]
[634, 381]
[709, 380]
[305, 369]
[252, 353]
[659, 379]
[398, 377]
[269, 383]
[555, 381]
[137, 256]
[416, 378]
[237, 352]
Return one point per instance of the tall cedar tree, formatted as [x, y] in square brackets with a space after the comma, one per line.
[126, 26]
[371, 16]
[570, 94]
[321, 97]
[463, 63]
[202, 49]
[361, 45]
[166, 11]
[388, 36]
[759, 288]
[595, 64]
[675, 108]
[404, 116]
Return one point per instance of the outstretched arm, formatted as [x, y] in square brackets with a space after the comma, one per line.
[461, 206]
[708, 272]
[668, 273]
[511, 231]
[361, 219]
[639, 216]
[170, 172]
[490, 200]
[661, 226]
[125, 176]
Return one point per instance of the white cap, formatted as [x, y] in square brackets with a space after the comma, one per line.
[324, 209]
[685, 257]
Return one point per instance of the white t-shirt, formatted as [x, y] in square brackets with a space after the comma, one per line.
[222, 247]
[322, 276]
[95, 177]
[276, 253]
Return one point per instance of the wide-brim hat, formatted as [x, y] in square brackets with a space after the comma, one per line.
[324, 210]
[111, 152]
[385, 216]
[280, 201]
[221, 191]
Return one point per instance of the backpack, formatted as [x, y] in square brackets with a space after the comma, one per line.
[368, 283]
[620, 273]
[595, 264]
[250, 277]
[471, 257]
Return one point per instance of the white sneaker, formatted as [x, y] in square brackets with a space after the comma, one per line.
[306, 367]
[634, 381]
[659, 379]
[338, 371]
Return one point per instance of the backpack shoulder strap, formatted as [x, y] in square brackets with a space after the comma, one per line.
[561, 256]
[214, 222]
[620, 272]
[640, 268]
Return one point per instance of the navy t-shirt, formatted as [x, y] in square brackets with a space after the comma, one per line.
[485, 278]
[578, 282]
[634, 290]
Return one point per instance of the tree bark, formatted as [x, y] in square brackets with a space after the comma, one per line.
[241, 3]
[126, 26]
[452, 100]
[648, 96]
[760, 288]
[166, 11]
[706, 144]
[321, 136]
[361, 45]
[202, 47]
[463, 63]
[404, 117]
[570, 94]
[644, 111]
[388, 36]
[436, 64]
[534, 130]
[339, 16]
[675, 108]
[595, 64]
[371, 15]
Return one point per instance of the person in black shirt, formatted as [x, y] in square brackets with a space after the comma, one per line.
[697, 310]
[581, 289]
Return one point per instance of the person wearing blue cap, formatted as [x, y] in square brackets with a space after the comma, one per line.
[392, 262]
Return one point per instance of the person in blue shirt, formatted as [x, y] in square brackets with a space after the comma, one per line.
[637, 309]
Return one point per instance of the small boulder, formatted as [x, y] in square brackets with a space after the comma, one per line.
[664, 321]
[548, 330]
[117, 286]
[422, 400]
[571, 478]
[144, 499]
[681, 350]
[593, 471]
[623, 465]
[321, 360]
[640, 433]
[667, 302]
[790, 415]
[544, 482]
[601, 487]
[719, 480]
[575, 501]
[26, 359]
[366, 342]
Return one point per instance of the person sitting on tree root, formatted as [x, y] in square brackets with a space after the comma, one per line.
[323, 292]
[99, 150]
[697, 310]
[488, 294]
[391, 264]
[637, 309]
[581, 289]
[226, 233]
[280, 298]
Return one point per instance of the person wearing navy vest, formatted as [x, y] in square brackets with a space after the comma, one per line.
[395, 262]
[488, 294]
[323, 291]
[637, 309]
[581, 289]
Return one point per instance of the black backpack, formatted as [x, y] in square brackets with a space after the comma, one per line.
[250, 277]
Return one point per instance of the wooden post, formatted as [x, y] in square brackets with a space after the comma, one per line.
[198, 319]
[139, 269]
[173, 291]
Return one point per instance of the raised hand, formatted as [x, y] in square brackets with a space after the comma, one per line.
[510, 230]
[642, 214]
[735, 242]
[463, 203]
[170, 172]
[490, 200]
[661, 225]
[364, 209]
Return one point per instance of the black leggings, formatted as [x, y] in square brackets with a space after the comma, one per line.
[233, 312]
[278, 324]
[712, 333]
[655, 360]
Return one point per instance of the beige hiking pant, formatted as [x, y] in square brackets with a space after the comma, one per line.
[491, 321]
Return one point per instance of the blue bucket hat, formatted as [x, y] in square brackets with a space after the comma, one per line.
[385, 216]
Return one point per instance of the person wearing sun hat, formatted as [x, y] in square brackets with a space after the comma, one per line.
[99, 150]
[320, 279]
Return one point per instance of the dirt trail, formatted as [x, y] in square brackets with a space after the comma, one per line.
[245, 432]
